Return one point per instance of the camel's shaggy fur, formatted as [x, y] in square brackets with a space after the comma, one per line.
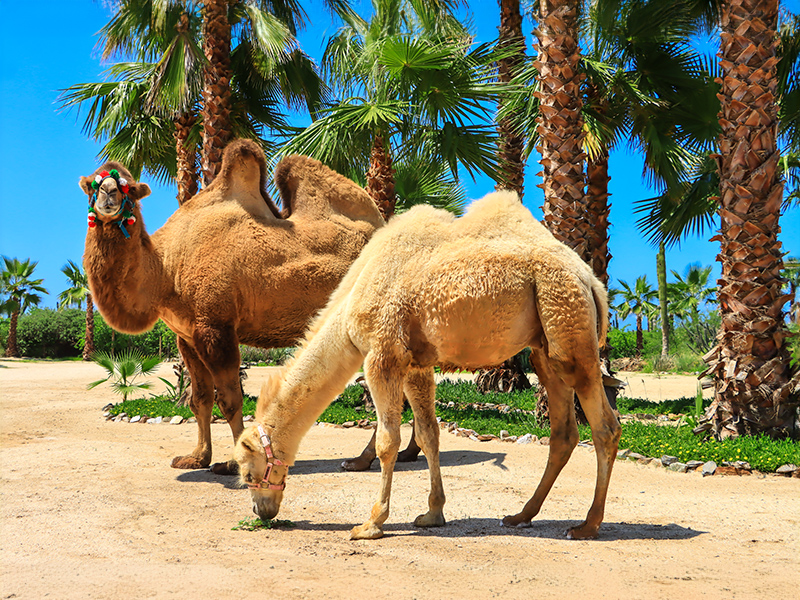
[226, 268]
[429, 290]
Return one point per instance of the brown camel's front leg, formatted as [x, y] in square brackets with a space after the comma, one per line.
[218, 347]
[201, 403]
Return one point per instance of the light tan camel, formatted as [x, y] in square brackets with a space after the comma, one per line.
[226, 268]
[433, 290]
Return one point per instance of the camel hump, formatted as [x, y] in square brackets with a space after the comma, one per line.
[311, 190]
[242, 178]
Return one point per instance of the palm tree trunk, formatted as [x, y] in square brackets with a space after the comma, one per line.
[639, 336]
[186, 153]
[380, 178]
[12, 350]
[560, 126]
[511, 141]
[597, 211]
[216, 86]
[88, 345]
[750, 364]
[661, 274]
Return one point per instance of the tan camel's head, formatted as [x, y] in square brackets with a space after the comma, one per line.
[109, 187]
[261, 471]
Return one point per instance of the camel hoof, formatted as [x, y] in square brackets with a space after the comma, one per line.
[225, 468]
[189, 462]
[408, 455]
[430, 519]
[357, 464]
[582, 532]
[515, 521]
[367, 531]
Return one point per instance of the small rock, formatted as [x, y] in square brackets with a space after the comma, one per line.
[694, 464]
[451, 404]
[662, 418]
[786, 470]
[503, 434]
[645, 461]
[247, 418]
[156, 420]
[107, 407]
[709, 468]
[487, 437]
[673, 417]
[144, 419]
[678, 467]
[468, 433]
[191, 420]
[126, 419]
[108, 416]
[728, 470]
[122, 415]
[348, 424]
[623, 454]
[511, 438]
[635, 456]
[136, 419]
[525, 439]
[452, 427]
[176, 420]
[744, 465]
[667, 460]
[545, 441]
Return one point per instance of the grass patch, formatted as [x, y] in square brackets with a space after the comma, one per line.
[514, 413]
[256, 524]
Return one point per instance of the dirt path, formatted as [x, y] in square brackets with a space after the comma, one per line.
[91, 509]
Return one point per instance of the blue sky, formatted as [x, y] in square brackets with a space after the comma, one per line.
[43, 152]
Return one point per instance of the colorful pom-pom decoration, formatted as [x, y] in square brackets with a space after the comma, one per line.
[130, 221]
[124, 187]
[95, 185]
[114, 173]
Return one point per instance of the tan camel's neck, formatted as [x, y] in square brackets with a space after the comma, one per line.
[317, 375]
[125, 275]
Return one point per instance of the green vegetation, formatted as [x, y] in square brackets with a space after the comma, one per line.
[256, 524]
[123, 371]
[513, 412]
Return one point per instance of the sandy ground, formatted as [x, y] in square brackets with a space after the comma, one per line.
[91, 509]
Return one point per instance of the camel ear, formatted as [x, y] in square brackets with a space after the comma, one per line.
[86, 185]
[138, 191]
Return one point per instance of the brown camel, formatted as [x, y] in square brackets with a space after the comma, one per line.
[226, 268]
[433, 290]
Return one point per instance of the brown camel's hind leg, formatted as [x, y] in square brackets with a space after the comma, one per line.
[218, 347]
[364, 461]
[421, 391]
[563, 436]
[605, 435]
[201, 402]
[385, 383]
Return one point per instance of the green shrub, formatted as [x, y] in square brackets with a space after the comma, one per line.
[4, 326]
[686, 405]
[48, 333]
[623, 343]
[160, 340]
[264, 356]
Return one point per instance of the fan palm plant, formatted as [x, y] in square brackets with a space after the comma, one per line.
[20, 292]
[125, 370]
[410, 88]
[74, 295]
[637, 301]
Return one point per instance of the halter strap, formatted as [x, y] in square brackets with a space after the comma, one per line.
[120, 217]
[271, 463]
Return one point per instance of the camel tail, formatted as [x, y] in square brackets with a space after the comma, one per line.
[601, 306]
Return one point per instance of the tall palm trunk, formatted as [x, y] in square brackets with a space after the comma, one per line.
[88, 345]
[510, 375]
[186, 153]
[639, 336]
[750, 364]
[216, 86]
[512, 142]
[597, 211]
[661, 274]
[380, 178]
[12, 350]
[560, 126]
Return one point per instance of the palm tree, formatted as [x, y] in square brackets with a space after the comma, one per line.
[74, 295]
[410, 88]
[750, 364]
[638, 301]
[150, 114]
[691, 292]
[19, 291]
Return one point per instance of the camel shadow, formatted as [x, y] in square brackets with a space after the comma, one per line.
[544, 529]
[334, 465]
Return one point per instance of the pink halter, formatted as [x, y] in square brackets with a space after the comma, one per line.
[271, 462]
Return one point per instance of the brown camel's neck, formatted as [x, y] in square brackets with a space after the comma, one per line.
[125, 275]
[316, 376]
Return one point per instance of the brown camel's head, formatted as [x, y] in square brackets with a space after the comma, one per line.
[259, 470]
[111, 191]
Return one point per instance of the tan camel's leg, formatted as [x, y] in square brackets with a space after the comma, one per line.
[563, 436]
[201, 404]
[605, 435]
[218, 347]
[420, 390]
[388, 396]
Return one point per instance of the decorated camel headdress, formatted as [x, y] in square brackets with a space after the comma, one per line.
[124, 213]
